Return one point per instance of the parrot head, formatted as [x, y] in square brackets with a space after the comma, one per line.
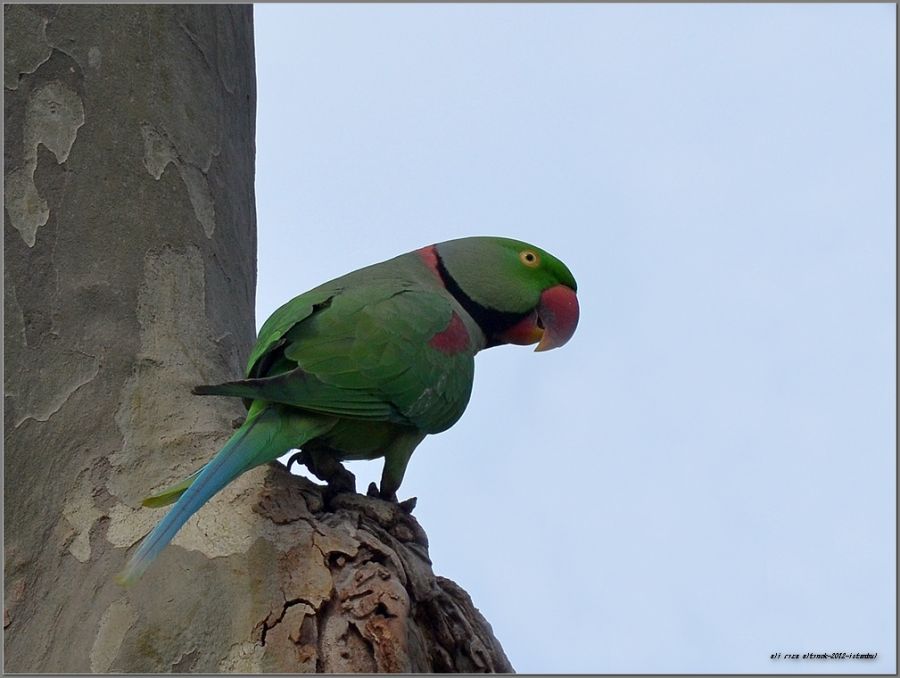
[518, 293]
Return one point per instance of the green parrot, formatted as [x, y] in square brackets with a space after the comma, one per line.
[367, 365]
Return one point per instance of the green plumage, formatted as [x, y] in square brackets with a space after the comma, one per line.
[368, 364]
[364, 354]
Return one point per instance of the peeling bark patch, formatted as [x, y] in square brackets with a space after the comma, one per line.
[32, 48]
[27, 210]
[53, 114]
[159, 151]
[52, 117]
[95, 58]
[81, 513]
[222, 530]
[215, 530]
[200, 195]
[115, 623]
[127, 526]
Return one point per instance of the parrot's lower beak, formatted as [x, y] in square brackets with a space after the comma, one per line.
[551, 324]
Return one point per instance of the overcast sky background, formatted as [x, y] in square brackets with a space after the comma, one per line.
[705, 475]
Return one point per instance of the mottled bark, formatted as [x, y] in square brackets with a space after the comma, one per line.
[129, 277]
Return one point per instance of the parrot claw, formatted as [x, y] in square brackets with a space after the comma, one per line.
[373, 491]
[237, 422]
[296, 458]
[407, 505]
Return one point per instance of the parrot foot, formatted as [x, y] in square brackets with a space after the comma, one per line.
[237, 422]
[325, 467]
[407, 505]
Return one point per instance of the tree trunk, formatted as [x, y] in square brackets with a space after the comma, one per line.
[130, 241]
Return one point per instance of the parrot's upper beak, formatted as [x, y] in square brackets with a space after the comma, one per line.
[558, 314]
[551, 324]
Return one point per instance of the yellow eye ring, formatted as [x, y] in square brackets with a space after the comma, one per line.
[530, 258]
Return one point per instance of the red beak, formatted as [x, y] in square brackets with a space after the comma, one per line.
[558, 313]
[551, 324]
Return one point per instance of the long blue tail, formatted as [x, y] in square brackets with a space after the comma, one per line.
[267, 433]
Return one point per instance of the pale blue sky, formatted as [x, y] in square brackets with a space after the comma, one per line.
[705, 474]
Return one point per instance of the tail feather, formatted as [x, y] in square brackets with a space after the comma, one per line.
[267, 433]
[171, 494]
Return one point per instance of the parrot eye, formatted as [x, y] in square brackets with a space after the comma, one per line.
[529, 258]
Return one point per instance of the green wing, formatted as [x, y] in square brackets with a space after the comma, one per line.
[361, 353]
[283, 319]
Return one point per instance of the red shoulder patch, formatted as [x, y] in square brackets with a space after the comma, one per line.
[453, 339]
[429, 256]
